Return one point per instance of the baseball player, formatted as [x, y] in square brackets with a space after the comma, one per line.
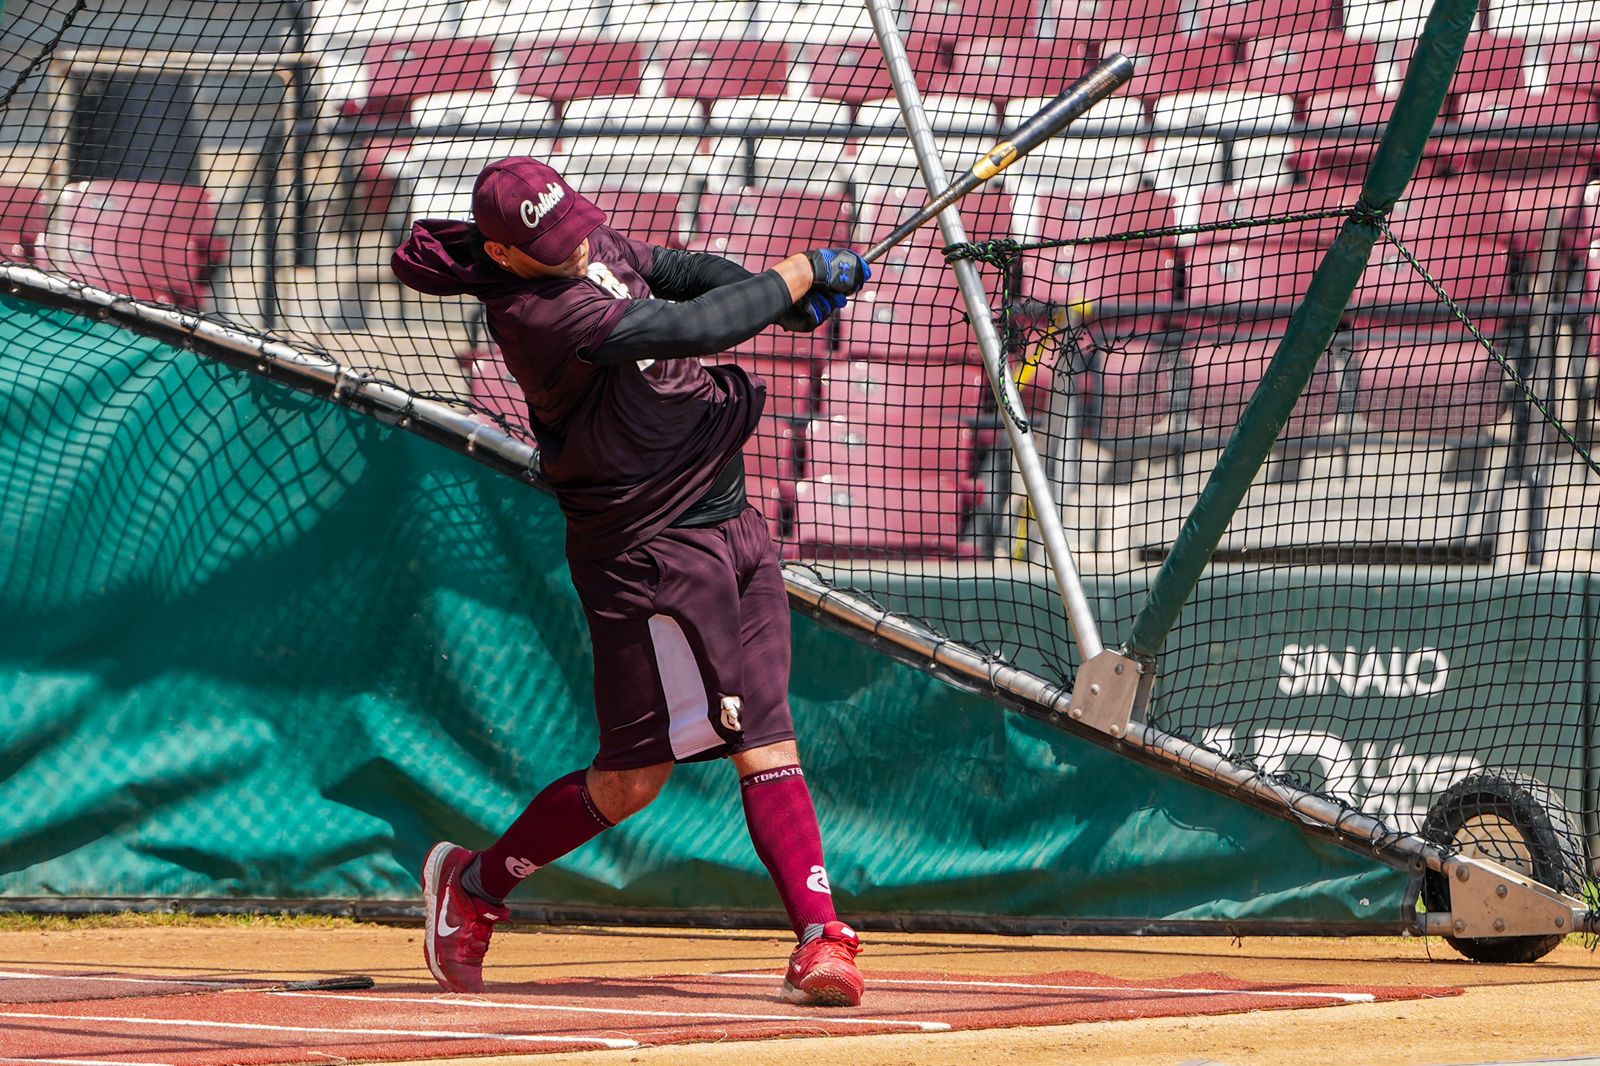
[676, 571]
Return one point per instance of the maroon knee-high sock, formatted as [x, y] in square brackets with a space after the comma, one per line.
[783, 827]
[559, 819]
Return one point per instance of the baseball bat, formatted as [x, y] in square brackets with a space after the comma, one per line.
[1103, 79]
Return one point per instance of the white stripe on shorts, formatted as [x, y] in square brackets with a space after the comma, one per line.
[688, 711]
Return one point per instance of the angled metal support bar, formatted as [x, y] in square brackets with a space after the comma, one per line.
[1085, 631]
[1312, 327]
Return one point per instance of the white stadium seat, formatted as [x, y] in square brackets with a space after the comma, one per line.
[1545, 20]
[520, 20]
[812, 21]
[444, 111]
[793, 161]
[1103, 151]
[632, 160]
[655, 20]
[1189, 163]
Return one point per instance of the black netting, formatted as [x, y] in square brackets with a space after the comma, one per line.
[1403, 600]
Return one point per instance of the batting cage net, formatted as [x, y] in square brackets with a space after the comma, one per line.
[1399, 616]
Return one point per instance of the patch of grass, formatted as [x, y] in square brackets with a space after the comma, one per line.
[12, 922]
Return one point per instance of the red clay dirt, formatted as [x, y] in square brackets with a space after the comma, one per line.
[112, 1018]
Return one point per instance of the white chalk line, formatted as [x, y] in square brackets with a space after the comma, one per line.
[436, 1034]
[1343, 997]
[80, 1062]
[20, 975]
[487, 1004]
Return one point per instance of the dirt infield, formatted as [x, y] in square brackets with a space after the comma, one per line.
[1543, 1010]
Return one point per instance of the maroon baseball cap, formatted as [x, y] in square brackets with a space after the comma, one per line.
[526, 204]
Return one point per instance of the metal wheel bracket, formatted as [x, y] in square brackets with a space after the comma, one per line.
[1488, 899]
[1108, 693]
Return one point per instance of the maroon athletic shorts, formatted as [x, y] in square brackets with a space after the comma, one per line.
[691, 645]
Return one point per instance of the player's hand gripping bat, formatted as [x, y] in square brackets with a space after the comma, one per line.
[1103, 79]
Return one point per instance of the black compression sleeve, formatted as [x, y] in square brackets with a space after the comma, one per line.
[680, 275]
[705, 325]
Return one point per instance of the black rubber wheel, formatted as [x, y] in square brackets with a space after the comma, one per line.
[1515, 820]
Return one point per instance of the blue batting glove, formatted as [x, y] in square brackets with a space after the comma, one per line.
[811, 311]
[838, 270]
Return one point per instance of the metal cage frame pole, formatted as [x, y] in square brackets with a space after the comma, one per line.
[1085, 629]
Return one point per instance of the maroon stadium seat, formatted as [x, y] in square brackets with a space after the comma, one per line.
[952, 21]
[1127, 389]
[1177, 64]
[845, 517]
[910, 309]
[1304, 65]
[653, 217]
[758, 227]
[1003, 69]
[791, 384]
[1228, 205]
[886, 391]
[1488, 64]
[1503, 135]
[771, 467]
[1351, 122]
[987, 214]
[1223, 376]
[150, 240]
[1109, 278]
[1428, 387]
[493, 389]
[853, 72]
[717, 69]
[1572, 64]
[1111, 20]
[574, 68]
[400, 71]
[24, 214]
[925, 446]
[1246, 279]
[1242, 20]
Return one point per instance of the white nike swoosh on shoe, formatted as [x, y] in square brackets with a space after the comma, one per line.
[444, 928]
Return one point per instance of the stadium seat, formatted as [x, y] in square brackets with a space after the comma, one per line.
[1242, 20]
[1543, 21]
[1468, 267]
[1223, 375]
[758, 227]
[1250, 148]
[1499, 134]
[1111, 20]
[892, 449]
[1386, 20]
[1488, 64]
[1248, 280]
[1570, 65]
[1341, 134]
[433, 178]
[844, 517]
[911, 309]
[1105, 150]
[339, 22]
[570, 68]
[791, 390]
[397, 72]
[879, 390]
[987, 214]
[854, 72]
[655, 217]
[1003, 69]
[1177, 64]
[791, 160]
[438, 114]
[1430, 386]
[952, 21]
[1126, 287]
[511, 20]
[811, 22]
[1128, 390]
[708, 70]
[24, 213]
[1224, 208]
[150, 240]
[595, 150]
[1304, 65]
[492, 388]
[657, 20]
[772, 466]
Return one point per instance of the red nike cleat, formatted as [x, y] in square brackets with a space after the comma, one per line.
[823, 972]
[459, 923]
